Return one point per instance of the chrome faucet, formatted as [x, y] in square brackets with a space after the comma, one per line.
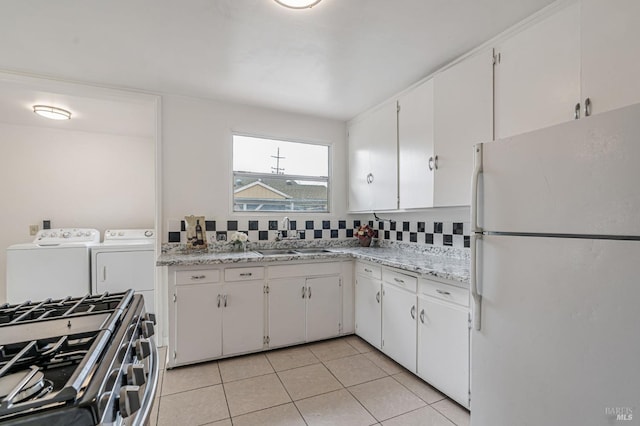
[286, 224]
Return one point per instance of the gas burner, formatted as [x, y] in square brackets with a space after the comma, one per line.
[83, 361]
[24, 385]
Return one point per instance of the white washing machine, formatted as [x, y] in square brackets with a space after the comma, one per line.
[55, 265]
[124, 260]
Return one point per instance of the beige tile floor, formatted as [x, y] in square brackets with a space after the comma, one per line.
[337, 382]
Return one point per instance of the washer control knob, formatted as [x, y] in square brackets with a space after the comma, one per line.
[53, 235]
[148, 233]
[136, 375]
[88, 233]
[130, 400]
[66, 234]
[120, 233]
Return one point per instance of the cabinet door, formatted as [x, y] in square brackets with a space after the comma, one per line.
[198, 323]
[443, 347]
[399, 324]
[463, 116]
[610, 54]
[415, 146]
[359, 166]
[324, 307]
[537, 80]
[243, 317]
[384, 157]
[286, 311]
[373, 160]
[369, 310]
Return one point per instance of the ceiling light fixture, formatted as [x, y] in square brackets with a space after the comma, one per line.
[52, 112]
[298, 4]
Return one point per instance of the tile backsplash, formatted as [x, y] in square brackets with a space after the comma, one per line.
[437, 233]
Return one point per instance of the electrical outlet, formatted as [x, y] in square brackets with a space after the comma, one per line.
[33, 230]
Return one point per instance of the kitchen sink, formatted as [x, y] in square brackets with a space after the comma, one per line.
[311, 250]
[275, 252]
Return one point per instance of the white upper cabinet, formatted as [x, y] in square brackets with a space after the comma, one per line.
[610, 54]
[373, 160]
[415, 141]
[463, 116]
[537, 75]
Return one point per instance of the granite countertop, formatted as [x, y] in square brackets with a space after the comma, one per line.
[428, 261]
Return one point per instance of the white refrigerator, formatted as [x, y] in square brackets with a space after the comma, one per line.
[555, 279]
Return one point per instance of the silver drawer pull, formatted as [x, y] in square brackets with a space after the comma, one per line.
[246, 274]
[398, 280]
[368, 270]
[309, 292]
[413, 312]
[219, 300]
[304, 290]
[446, 293]
[198, 277]
[422, 316]
[378, 297]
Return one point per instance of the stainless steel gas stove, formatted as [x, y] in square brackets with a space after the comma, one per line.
[77, 361]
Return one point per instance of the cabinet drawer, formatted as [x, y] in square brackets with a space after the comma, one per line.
[304, 270]
[244, 274]
[368, 270]
[198, 276]
[445, 292]
[401, 280]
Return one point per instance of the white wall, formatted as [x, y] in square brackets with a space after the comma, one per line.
[74, 179]
[196, 155]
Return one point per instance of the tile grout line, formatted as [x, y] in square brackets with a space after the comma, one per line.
[224, 392]
[287, 390]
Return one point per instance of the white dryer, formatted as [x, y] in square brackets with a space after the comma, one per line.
[55, 265]
[124, 260]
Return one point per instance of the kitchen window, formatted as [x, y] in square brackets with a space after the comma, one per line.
[271, 175]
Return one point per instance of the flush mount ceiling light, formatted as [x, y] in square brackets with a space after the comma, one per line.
[52, 112]
[297, 4]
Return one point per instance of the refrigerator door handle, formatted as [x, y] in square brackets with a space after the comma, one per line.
[473, 282]
[477, 170]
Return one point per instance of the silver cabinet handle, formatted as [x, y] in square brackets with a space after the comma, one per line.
[309, 292]
[225, 300]
[413, 312]
[587, 107]
[446, 293]
[378, 297]
[219, 301]
[246, 274]
[198, 277]
[422, 316]
[435, 162]
[368, 270]
[398, 280]
[430, 164]
[370, 178]
[576, 111]
[303, 291]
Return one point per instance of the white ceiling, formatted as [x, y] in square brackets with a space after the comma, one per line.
[335, 60]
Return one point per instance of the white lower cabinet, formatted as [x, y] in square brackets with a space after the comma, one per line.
[304, 308]
[369, 309]
[443, 344]
[286, 312]
[242, 317]
[195, 312]
[213, 318]
[399, 325]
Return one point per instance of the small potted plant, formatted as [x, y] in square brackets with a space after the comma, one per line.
[239, 241]
[364, 233]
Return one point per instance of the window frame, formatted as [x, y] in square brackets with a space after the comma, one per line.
[329, 178]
